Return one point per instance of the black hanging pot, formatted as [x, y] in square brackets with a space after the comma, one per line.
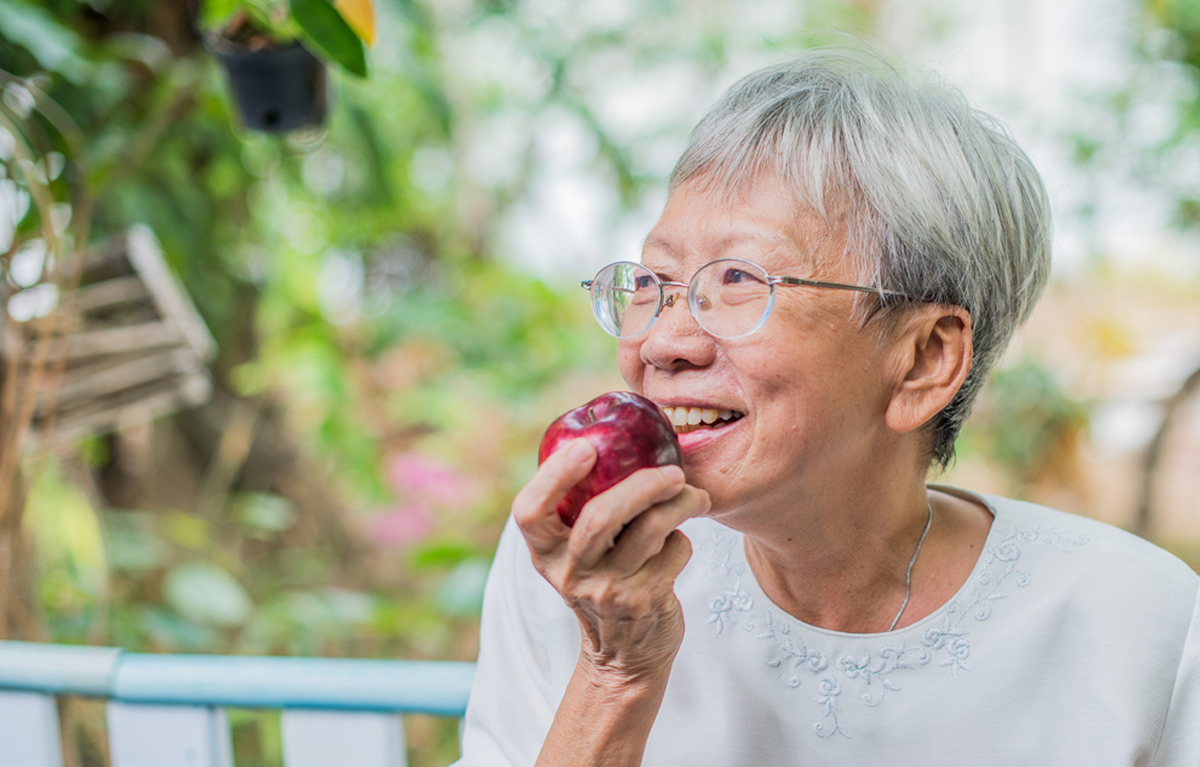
[276, 89]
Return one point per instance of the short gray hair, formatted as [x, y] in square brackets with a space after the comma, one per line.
[940, 202]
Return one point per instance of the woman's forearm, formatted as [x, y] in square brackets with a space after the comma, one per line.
[603, 721]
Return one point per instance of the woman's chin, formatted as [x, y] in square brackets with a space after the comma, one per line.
[710, 455]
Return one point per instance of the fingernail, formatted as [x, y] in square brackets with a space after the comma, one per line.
[673, 473]
[580, 450]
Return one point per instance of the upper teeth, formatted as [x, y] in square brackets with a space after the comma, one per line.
[691, 416]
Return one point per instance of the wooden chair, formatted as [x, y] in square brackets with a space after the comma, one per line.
[169, 710]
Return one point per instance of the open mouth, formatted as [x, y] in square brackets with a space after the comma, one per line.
[686, 419]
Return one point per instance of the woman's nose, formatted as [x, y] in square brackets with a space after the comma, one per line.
[676, 340]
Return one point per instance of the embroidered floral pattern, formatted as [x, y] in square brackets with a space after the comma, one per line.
[828, 690]
[878, 672]
[732, 598]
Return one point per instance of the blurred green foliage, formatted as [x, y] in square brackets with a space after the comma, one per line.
[1182, 17]
[315, 22]
[400, 369]
[393, 371]
[1026, 426]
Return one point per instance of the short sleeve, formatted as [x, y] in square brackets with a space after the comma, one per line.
[526, 633]
[1179, 745]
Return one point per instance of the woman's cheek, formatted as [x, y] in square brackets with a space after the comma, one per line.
[629, 361]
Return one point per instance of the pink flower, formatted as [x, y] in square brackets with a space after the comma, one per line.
[403, 524]
[417, 476]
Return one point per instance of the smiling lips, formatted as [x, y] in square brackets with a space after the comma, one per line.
[686, 419]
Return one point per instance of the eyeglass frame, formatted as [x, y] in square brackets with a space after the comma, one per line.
[771, 282]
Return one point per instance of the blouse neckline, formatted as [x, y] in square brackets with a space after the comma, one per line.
[921, 625]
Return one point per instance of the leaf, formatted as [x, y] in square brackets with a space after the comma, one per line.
[206, 594]
[442, 553]
[135, 551]
[360, 15]
[167, 630]
[215, 14]
[186, 530]
[55, 46]
[264, 512]
[325, 28]
[461, 594]
[70, 545]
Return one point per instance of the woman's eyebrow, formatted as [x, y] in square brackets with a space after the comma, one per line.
[658, 242]
[766, 240]
[727, 241]
[661, 275]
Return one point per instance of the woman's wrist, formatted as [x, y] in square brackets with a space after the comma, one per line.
[618, 675]
[605, 716]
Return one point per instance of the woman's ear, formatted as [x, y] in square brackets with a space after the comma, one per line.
[934, 355]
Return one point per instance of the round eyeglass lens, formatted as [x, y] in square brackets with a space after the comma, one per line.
[626, 297]
[731, 298]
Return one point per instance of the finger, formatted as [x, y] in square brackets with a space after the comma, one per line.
[534, 507]
[604, 516]
[659, 572]
[646, 535]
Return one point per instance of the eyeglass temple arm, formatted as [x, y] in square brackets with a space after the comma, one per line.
[835, 286]
[587, 285]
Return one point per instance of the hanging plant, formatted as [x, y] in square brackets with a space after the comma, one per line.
[275, 53]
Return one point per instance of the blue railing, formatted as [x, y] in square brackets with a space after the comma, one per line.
[160, 704]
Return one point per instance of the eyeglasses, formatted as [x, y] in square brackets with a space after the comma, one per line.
[730, 298]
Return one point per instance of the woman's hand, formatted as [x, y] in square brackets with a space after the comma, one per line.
[616, 567]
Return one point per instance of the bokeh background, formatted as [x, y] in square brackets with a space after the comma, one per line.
[394, 301]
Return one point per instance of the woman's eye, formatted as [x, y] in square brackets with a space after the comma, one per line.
[643, 282]
[735, 276]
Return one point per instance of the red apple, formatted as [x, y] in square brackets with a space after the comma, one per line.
[629, 433]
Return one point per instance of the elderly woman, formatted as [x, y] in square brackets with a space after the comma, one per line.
[841, 260]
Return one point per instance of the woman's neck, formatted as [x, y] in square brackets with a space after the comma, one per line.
[841, 561]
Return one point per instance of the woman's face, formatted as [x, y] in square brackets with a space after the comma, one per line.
[809, 385]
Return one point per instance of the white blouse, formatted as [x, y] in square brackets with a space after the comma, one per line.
[1072, 643]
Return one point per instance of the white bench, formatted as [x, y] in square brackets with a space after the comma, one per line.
[168, 710]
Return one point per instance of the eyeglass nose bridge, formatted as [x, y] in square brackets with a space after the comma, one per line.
[669, 297]
[669, 300]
